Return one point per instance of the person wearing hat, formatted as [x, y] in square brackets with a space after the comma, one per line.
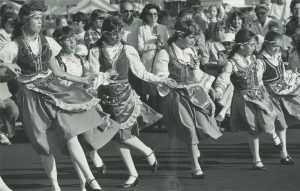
[260, 26]
[93, 32]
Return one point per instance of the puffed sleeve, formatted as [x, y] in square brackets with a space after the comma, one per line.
[9, 52]
[160, 66]
[93, 59]
[223, 79]
[54, 46]
[94, 66]
[138, 68]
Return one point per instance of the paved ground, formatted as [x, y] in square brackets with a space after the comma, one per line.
[227, 166]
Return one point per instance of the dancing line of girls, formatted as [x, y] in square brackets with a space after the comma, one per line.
[63, 96]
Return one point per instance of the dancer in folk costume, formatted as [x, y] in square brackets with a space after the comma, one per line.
[117, 97]
[251, 109]
[71, 63]
[283, 87]
[187, 108]
[52, 114]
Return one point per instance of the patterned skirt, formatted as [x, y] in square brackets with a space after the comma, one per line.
[126, 108]
[189, 115]
[52, 114]
[254, 116]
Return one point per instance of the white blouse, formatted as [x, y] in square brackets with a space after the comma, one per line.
[9, 54]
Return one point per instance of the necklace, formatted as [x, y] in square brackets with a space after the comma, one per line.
[116, 53]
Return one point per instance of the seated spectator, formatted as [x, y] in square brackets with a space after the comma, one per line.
[294, 55]
[286, 43]
[294, 22]
[48, 31]
[211, 63]
[260, 25]
[6, 28]
[9, 111]
[280, 9]
[234, 22]
[93, 29]
[61, 21]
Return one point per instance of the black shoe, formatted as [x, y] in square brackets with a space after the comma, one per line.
[287, 160]
[197, 176]
[153, 168]
[279, 147]
[135, 183]
[102, 169]
[88, 187]
[255, 167]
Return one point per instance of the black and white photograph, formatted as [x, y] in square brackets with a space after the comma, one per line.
[149, 95]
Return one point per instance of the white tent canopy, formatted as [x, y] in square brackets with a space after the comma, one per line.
[87, 6]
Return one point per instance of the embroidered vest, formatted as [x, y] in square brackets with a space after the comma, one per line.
[272, 73]
[180, 72]
[31, 64]
[121, 65]
[245, 77]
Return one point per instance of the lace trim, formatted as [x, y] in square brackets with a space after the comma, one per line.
[63, 105]
[136, 112]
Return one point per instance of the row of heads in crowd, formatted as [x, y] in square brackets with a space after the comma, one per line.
[237, 18]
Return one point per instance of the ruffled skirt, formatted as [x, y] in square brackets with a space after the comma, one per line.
[125, 107]
[53, 114]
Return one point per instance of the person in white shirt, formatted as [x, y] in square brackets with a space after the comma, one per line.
[260, 26]
[280, 9]
[131, 24]
[7, 25]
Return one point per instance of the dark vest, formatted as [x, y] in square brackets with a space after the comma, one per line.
[245, 78]
[272, 73]
[180, 72]
[31, 64]
[122, 64]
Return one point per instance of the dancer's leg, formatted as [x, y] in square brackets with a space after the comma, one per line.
[282, 136]
[3, 186]
[137, 144]
[78, 156]
[254, 147]
[96, 158]
[49, 165]
[126, 156]
[193, 152]
[81, 177]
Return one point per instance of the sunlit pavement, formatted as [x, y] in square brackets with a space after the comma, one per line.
[227, 165]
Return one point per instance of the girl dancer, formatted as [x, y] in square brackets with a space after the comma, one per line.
[73, 64]
[282, 87]
[117, 97]
[251, 106]
[50, 113]
[188, 109]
